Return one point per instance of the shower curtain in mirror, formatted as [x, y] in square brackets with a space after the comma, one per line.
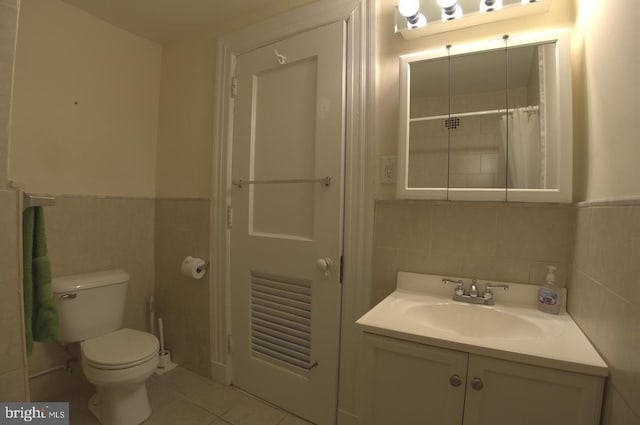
[524, 151]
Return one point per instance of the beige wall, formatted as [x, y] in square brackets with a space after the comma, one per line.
[605, 288]
[187, 106]
[185, 132]
[607, 74]
[85, 108]
[390, 46]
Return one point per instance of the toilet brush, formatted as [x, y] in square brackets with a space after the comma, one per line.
[164, 363]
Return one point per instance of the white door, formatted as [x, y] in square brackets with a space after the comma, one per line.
[286, 237]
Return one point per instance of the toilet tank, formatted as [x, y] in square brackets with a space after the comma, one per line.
[91, 304]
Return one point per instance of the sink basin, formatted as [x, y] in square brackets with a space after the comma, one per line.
[474, 321]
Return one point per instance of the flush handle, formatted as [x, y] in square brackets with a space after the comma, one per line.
[477, 384]
[71, 296]
[455, 380]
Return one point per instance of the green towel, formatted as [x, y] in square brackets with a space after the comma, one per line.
[41, 318]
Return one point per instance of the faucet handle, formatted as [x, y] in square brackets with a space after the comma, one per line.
[458, 282]
[488, 293]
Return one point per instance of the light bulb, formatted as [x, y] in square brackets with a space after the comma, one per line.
[408, 8]
[490, 5]
[451, 11]
[419, 21]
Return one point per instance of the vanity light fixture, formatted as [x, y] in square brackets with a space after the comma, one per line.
[411, 16]
[450, 10]
[491, 5]
[410, 9]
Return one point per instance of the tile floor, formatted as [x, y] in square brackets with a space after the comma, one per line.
[181, 397]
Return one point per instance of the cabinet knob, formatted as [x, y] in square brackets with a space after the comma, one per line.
[477, 384]
[455, 380]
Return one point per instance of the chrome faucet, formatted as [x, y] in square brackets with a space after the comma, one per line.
[474, 296]
[473, 289]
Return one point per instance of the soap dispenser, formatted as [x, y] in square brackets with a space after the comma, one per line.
[549, 296]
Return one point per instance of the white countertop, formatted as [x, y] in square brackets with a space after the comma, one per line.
[556, 342]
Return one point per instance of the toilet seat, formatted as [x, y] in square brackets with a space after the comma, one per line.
[121, 349]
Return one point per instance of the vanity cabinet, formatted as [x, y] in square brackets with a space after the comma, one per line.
[410, 383]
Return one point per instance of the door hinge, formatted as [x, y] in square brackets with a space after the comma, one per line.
[229, 343]
[341, 267]
[234, 87]
[229, 217]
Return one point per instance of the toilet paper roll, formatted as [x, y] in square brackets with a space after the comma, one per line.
[193, 267]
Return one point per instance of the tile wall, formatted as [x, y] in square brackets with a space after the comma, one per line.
[13, 384]
[605, 300]
[182, 229]
[87, 234]
[148, 238]
[497, 241]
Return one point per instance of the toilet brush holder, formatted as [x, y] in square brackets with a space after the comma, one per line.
[164, 358]
[164, 362]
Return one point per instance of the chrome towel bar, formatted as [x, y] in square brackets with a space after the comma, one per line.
[324, 180]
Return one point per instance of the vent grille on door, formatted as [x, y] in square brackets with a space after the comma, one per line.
[281, 320]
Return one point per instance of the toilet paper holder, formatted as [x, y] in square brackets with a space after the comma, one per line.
[203, 267]
[194, 267]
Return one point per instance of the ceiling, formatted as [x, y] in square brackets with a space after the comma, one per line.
[165, 20]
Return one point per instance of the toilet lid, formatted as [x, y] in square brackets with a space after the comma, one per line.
[122, 348]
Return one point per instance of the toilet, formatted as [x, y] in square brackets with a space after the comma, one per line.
[117, 360]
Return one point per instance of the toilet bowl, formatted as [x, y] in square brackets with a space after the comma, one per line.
[117, 360]
[118, 364]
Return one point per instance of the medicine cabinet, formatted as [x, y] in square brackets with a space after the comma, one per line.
[490, 121]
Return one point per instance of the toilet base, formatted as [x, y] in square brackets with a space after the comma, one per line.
[128, 405]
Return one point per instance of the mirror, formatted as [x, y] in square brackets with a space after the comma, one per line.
[487, 122]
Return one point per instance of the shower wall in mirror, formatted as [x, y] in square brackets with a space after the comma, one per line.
[490, 123]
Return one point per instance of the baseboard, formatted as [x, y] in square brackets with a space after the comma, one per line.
[219, 372]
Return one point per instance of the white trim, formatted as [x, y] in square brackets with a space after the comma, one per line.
[610, 202]
[360, 15]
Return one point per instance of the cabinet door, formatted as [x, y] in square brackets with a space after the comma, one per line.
[505, 393]
[409, 384]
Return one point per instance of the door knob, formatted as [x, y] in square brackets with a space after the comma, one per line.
[324, 264]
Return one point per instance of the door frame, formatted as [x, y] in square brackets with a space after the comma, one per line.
[358, 178]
